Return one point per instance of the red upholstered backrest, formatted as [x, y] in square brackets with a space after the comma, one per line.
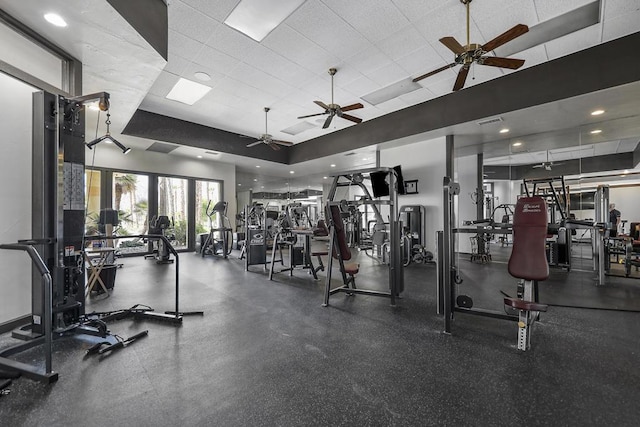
[340, 235]
[528, 259]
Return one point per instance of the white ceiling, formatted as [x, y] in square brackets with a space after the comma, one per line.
[373, 43]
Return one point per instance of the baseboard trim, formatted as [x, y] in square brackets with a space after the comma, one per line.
[15, 323]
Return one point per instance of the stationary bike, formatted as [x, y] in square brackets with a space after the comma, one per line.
[219, 240]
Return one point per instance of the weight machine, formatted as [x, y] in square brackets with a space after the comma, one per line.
[385, 182]
[219, 240]
[254, 250]
[161, 225]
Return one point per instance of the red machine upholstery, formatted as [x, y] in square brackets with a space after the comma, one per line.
[528, 259]
[341, 238]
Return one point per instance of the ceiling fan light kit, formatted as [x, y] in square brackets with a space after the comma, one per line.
[334, 109]
[266, 138]
[476, 53]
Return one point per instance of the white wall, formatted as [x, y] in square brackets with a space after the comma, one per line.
[107, 156]
[15, 196]
[424, 161]
[466, 210]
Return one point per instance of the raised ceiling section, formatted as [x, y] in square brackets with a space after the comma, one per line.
[581, 73]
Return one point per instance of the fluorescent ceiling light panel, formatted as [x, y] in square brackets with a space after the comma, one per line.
[554, 28]
[188, 92]
[392, 91]
[257, 18]
[299, 128]
[55, 19]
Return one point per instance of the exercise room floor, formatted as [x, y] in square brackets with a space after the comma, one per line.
[267, 353]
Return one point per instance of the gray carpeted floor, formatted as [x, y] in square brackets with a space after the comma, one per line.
[267, 353]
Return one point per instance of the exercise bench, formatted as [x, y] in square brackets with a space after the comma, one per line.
[528, 262]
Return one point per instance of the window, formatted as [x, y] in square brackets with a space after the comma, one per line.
[172, 202]
[205, 191]
[92, 197]
[131, 200]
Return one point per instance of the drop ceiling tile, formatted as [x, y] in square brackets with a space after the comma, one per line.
[579, 40]
[421, 61]
[417, 96]
[614, 9]
[163, 84]
[218, 9]
[313, 20]
[272, 63]
[216, 60]
[176, 64]
[402, 43]
[442, 21]
[481, 74]
[298, 49]
[367, 60]
[413, 10]
[621, 26]
[361, 86]
[387, 75]
[548, 9]
[184, 46]
[534, 56]
[516, 13]
[376, 21]
[190, 22]
[235, 44]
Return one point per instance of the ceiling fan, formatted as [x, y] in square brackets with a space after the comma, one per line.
[472, 52]
[547, 165]
[334, 109]
[267, 139]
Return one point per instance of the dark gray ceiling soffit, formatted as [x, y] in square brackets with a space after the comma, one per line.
[601, 67]
[154, 126]
[636, 155]
[609, 162]
[149, 18]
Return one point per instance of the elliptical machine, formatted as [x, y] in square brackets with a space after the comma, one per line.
[219, 240]
[160, 225]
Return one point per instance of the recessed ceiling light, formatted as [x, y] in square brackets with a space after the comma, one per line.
[626, 171]
[333, 166]
[257, 166]
[324, 177]
[517, 144]
[202, 76]
[504, 130]
[595, 131]
[262, 186]
[55, 19]
[239, 185]
[257, 18]
[364, 159]
[292, 172]
[199, 156]
[188, 92]
[597, 112]
[255, 179]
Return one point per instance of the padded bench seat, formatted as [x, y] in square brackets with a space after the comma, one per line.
[352, 269]
[525, 305]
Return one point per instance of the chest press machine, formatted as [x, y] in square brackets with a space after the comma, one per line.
[528, 262]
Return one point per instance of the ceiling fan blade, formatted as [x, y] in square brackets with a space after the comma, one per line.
[273, 146]
[327, 122]
[505, 37]
[253, 144]
[352, 107]
[462, 77]
[538, 166]
[495, 61]
[321, 104]
[452, 44]
[352, 118]
[313, 115]
[283, 143]
[431, 73]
